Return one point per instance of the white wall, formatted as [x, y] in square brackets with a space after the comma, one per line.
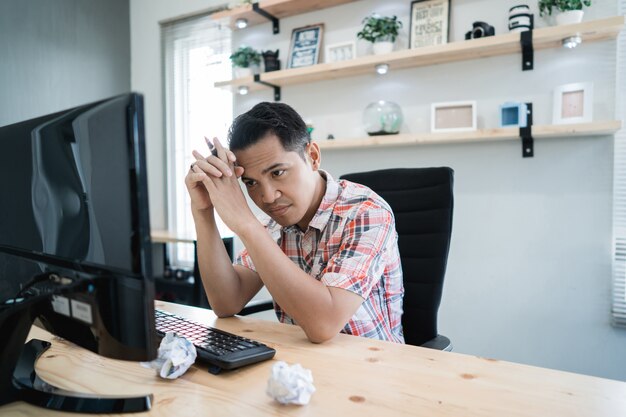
[530, 265]
[57, 55]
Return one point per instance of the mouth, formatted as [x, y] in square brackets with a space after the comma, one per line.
[278, 210]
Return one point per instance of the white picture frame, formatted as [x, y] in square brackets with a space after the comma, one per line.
[342, 51]
[453, 116]
[573, 103]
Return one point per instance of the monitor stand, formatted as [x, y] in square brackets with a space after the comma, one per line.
[20, 382]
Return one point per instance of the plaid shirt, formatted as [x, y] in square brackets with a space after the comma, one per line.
[351, 243]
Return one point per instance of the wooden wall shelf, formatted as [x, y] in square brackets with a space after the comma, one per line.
[277, 8]
[509, 43]
[482, 135]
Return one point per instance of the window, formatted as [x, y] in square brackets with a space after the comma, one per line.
[196, 54]
[619, 189]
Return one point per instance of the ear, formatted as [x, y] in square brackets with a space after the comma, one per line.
[314, 155]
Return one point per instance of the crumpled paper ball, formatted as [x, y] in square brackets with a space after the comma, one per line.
[290, 384]
[176, 354]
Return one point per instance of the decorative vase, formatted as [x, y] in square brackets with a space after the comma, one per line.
[271, 61]
[383, 46]
[241, 72]
[569, 17]
[382, 118]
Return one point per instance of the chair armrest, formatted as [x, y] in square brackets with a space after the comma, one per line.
[256, 306]
[439, 342]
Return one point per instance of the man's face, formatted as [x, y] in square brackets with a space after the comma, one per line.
[281, 183]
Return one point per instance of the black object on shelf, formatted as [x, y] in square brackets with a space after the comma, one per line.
[182, 285]
[526, 134]
[268, 16]
[271, 61]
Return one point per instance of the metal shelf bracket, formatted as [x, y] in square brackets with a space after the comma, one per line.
[268, 16]
[526, 134]
[526, 40]
[257, 79]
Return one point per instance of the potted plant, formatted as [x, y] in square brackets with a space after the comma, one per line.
[381, 31]
[245, 60]
[571, 11]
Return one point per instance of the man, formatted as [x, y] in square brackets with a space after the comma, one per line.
[328, 254]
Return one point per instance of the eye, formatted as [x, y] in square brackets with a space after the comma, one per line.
[249, 183]
[278, 172]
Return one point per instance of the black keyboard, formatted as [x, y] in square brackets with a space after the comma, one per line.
[219, 349]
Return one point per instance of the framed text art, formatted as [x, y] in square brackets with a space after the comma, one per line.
[306, 43]
[429, 23]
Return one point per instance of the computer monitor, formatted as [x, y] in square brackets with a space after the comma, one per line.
[75, 251]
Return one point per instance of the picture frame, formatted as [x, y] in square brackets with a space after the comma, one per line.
[430, 23]
[453, 116]
[513, 114]
[573, 103]
[305, 46]
[343, 51]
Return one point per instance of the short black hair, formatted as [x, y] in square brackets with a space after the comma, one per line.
[269, 118]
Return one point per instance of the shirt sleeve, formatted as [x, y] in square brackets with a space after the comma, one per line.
[359, 263]
[244, 259]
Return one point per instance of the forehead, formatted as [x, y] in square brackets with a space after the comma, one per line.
[265, 153]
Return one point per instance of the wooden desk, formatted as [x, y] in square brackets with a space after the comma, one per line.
[353, 377]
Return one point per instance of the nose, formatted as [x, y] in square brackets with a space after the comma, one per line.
[269, 194]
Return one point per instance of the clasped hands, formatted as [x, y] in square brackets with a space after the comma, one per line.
[212, 182]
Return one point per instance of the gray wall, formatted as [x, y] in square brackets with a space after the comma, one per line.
[61, 53]
[530, 265]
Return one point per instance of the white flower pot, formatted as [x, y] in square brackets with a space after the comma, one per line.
[241, 72]
[381, 48]
[569, 17]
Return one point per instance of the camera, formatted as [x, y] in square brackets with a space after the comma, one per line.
[480, 30]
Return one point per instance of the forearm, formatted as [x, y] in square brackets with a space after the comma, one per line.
[308, 301]
[220, 280]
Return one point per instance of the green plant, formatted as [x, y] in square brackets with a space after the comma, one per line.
[245, 56]
[376, 28]
[545, 6]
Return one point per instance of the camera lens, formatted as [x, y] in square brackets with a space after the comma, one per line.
[478, 32]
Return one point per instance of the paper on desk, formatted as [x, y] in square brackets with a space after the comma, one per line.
[176, 354]
[290, 384]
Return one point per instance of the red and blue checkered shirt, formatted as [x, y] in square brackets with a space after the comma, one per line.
[351, 243]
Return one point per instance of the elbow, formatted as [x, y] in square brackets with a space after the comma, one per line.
[320, 334]
[223, 314]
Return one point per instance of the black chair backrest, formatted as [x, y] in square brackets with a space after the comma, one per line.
[422, 202]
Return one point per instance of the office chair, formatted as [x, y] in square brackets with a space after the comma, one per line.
[422, 203]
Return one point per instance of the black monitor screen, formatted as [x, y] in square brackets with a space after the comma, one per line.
[66, 189]
[74, 220]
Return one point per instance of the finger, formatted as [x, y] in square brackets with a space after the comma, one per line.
[193, 178]
[238, 171]
[211, 167]
[208, 184]
[197, 155]
[231, 156]
[221, 151]
[213, 161]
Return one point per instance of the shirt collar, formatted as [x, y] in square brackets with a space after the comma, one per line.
[322, 215]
